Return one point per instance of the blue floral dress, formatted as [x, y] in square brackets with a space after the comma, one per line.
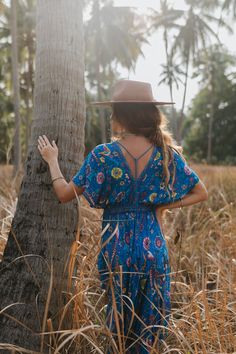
[133, 262]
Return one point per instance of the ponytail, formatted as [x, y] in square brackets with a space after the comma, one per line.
[163, 137]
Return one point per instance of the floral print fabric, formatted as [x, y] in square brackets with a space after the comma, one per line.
[133, 252]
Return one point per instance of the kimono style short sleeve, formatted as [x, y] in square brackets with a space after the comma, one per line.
[185, 178]
[92, 176]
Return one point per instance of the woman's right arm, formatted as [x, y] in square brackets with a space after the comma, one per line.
[196, 195]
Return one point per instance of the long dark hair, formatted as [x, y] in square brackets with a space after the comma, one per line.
[147, 120]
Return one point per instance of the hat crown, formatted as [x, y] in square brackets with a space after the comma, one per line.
[130, 90]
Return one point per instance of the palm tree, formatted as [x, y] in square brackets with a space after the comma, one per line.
[172, 75]
[193, 35]
[32, 274]
[114, 36]
[166, 19]
[16, 87]
[230, 6]
[212, 65]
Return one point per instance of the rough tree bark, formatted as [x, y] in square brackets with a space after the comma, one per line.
[43, 229]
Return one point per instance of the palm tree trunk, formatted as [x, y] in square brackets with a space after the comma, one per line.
[16, 88]
[28, 110]
[101, 111]
[211, 118]
[29, 87]
[43, 229]
[98, 72]
[181, 120]
[168, 60]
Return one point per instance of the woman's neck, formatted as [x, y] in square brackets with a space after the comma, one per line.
[132, 139]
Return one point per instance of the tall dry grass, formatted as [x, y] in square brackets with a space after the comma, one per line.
[202, 249]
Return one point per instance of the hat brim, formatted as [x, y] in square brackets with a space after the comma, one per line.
[109, 103]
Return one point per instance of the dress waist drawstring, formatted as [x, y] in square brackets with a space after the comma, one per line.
[128, 208]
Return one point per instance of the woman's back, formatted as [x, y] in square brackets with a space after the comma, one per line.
[137, 147]
[108, 176]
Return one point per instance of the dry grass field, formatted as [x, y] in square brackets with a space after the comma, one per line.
[203, 277]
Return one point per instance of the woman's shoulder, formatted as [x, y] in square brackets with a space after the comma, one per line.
[104, 149]
[103, 153]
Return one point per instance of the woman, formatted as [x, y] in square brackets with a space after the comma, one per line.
[134, 178]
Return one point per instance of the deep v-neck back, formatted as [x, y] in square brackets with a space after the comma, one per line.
[135, 178]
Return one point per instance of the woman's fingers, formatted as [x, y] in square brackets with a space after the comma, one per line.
[40, 144]
[49, 151]
[41, 141]
[46, 139]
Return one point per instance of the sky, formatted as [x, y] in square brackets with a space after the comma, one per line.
[149, 68]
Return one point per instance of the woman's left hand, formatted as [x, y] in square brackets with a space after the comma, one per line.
[48, 151]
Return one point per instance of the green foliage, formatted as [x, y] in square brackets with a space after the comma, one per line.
[6, 107]
[7, 127]
[224, 142]
[26, 49]
[220, 91]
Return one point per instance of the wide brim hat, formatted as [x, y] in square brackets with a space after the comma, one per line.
[130, 91]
